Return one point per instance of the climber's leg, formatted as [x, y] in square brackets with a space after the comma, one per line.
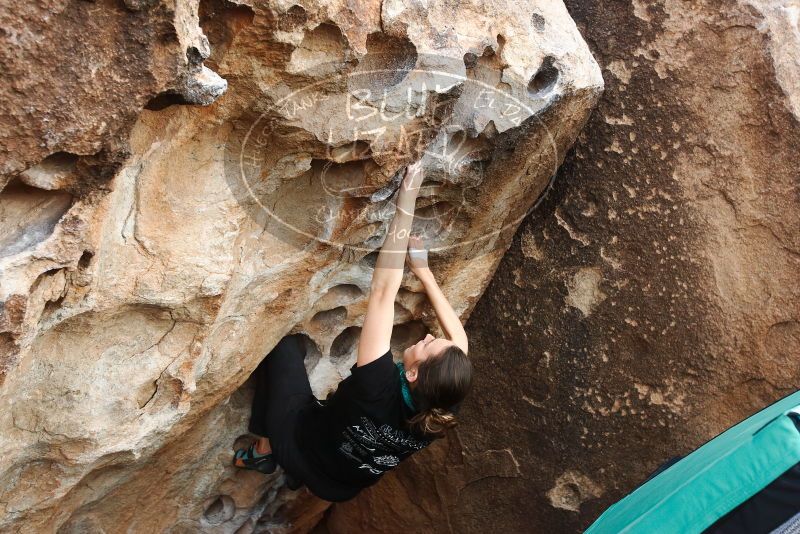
[258, 409]
[290, 392]
[283, 383]
[280, 376]
[282, 390]
[258, 456]
[282, 387]
[284, 396]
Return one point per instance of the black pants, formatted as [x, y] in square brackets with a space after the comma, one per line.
[282, 398]
[282, 391]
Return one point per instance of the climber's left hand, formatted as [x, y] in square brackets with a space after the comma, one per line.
[417, 257]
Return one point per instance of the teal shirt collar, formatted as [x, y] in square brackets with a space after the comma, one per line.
[404, 387]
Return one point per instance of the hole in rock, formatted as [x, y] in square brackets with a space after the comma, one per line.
[345, 291]
[470, 60]
[60, 161]
[312, 354]
[194, 56]
[54, 302]
[344, 179]
[52, 172]
[85, 259]
[7, 347]
[323, 50]
[461, 147]
[406, 334]
[339, 295]
[544, 79]
[501, 43]
[294, 17]
[165, 100]
[538, 22]
[351, 152]
[29, 215]
[45, 274]
[221, 20]
[52, 305]
[388, 61]
[328, 319]
[345, 343]
[370, 259]
[220, 510]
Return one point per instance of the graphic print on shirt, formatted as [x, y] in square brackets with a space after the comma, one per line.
[377, 449]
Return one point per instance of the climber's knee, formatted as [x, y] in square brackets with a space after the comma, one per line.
[290, 344]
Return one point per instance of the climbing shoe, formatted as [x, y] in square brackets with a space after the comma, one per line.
[250, 459]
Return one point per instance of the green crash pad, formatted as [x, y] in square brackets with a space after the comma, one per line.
[690, 495]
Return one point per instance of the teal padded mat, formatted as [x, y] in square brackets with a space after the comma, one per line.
[690, 495]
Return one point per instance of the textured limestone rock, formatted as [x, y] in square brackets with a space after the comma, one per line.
[682, 195]
[571, 489]
[153, 251]
[78, 73]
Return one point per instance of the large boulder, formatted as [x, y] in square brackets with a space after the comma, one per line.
[654, 298]
[185, 184]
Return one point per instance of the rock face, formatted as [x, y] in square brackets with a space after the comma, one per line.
[651, 301]
[184, 184]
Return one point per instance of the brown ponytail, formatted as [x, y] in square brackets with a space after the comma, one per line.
[433, 422]
[443, 381]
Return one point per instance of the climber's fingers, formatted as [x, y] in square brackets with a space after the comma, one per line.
[417, 253]
[413, 177]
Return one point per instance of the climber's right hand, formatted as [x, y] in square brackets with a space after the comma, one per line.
[417, 257]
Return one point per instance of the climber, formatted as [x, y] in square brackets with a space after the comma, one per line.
[384, 411]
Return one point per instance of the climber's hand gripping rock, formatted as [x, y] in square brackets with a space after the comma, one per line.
[412, 178]
[417, 258]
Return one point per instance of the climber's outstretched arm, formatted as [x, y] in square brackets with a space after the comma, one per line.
[389, 266]
[376, 332]
[448, 318]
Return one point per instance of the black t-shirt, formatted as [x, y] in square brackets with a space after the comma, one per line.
[360, 432]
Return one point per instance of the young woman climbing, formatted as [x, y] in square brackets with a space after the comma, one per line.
[384, 411]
